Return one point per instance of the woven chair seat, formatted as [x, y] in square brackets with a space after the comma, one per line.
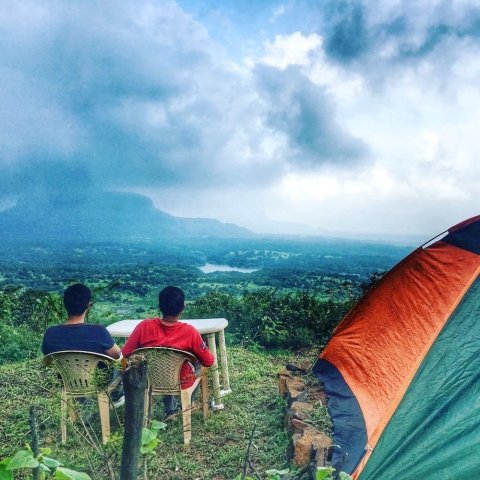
[163, 370]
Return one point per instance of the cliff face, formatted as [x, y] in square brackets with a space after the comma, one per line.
[103, 216]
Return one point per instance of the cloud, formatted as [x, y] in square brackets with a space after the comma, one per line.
[136, 95]
[341, 108]
[346, 34]
[374, 32]
[305, 115]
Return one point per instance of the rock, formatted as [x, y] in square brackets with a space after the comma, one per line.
[310, 444]
[295, 390]
[282, 382]
[301, 410]
[308, 447]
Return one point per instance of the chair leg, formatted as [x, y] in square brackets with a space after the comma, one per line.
[204, 387]
[63, 415]
[103, 406]
[72, 413]
[186, 399]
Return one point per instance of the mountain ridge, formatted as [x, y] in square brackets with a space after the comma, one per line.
[103, 216]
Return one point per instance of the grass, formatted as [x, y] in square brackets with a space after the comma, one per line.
[219, 444]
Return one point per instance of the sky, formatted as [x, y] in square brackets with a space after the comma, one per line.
[318, 117]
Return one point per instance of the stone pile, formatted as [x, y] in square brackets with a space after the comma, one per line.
[309, 446]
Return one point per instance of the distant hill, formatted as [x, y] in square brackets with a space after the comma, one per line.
[103, 216]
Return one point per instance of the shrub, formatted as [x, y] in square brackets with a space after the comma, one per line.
[271, 319]
[18, 343]
[20, 307]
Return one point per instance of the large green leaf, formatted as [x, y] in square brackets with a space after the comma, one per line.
[274, 471]
[153, 444]
[63, 473]
[50, 462]
[156, 426]
[148, 435]
[146, 451]
[4, 473]
[44, 468]
[23, 459]
[324, 473]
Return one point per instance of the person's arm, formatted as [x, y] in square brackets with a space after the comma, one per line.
[201, 351]
[133, 342]
[106, 340]
[114, 352]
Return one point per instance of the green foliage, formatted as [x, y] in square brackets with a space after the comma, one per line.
[150, 440]
[319, 418]
[4, 473]
[49, 467]
[18, 344]
[24, 316]
[272, 319]
[274, 474]
[328, 473]
[48, 310]
[33, 309]
[23, 459]
[322, 473]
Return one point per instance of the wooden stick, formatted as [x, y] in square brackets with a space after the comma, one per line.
[35, 450]
[134, 384]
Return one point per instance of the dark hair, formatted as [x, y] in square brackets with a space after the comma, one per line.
[76, 298]
[171, 301]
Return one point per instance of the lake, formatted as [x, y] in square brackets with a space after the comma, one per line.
[212, 267]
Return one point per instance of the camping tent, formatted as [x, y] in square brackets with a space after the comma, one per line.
[402, 369]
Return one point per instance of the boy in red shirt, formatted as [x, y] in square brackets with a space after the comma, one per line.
[169, 332]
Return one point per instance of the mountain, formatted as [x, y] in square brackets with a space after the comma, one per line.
[103, 216]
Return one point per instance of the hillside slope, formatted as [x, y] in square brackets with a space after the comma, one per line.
[103, 216]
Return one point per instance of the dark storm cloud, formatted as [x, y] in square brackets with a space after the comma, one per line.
[121, 91]
[134, 94]
[347, 37]
[304, 114]
[437, 34]
[358, 30]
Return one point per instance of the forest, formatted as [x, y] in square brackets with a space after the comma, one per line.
[282, 311]
[298, 289]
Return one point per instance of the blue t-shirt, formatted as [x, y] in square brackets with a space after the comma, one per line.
[79, 336]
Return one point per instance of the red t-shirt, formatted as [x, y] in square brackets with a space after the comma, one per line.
[153, 333]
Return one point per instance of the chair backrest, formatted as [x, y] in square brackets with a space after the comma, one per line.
[163, 368]
[79, 371]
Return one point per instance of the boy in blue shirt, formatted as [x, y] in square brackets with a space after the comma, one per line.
[75, 334]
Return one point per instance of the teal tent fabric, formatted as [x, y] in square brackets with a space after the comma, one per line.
[435, 432]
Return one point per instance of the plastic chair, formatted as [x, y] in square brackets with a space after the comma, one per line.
[163, 371]
[81, 378]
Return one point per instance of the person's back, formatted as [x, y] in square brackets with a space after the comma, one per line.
[81, 336]
[75, 334]
[156, 332]
[168, 331]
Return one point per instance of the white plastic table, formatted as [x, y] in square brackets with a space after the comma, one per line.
[206, 326]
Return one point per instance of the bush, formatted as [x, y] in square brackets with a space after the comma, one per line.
[24, 316]
[18, 344]
[37, 310]
[271, 319]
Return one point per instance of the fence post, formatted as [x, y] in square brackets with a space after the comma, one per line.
[134, 385]
[35, 449]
